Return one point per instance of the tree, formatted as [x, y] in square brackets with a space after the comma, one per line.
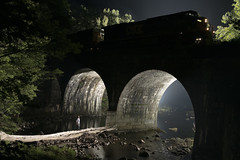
[111, 17]
[31, 32]
[232, 19]
[20, 75]
[89, 18]
[22, 59]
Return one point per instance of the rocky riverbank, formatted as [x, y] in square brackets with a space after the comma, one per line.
[110, 144]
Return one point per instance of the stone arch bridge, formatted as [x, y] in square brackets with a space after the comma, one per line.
[135, 78]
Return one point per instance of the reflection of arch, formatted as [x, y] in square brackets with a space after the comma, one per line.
[84, 93]
[138, 103]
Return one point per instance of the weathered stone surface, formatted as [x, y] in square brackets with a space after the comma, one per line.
[84, 93]
[138, 103]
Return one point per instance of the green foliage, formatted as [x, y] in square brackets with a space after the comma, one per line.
[110, 17]
[18, 151]
[18, 86]
[89, 18]
[21, 70]
[232, 19]
[31, 32]
[51, 153]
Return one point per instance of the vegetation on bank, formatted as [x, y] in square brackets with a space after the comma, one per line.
[31, 33]
[21, 151]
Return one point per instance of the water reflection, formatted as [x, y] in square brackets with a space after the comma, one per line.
[177, 123]
[69, 124]
[65, 123]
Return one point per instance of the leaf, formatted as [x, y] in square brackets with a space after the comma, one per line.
[232, 19]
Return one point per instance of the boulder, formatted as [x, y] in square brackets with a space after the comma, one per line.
[141, 141]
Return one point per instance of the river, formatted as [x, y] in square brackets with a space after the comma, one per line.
[181, 121]
[128, 146]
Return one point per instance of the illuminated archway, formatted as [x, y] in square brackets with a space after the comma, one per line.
[84, 94]
[138, 104]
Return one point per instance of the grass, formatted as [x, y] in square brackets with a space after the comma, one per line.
[21, 151]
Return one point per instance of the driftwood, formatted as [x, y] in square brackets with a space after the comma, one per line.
[55, 136]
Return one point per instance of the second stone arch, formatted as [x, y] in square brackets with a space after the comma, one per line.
[138, 104]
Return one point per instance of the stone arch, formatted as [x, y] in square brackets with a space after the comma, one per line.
[138, 104]
[84, 93]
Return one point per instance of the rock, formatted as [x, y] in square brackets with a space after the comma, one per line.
[141, 141]
[89, 147]
[157, 135]
[157, 139]
[136, 147]
[173, 129]
[170, 148]
[107, 144]
[123, 158]
[143, 149]
[76, 151]
[102, 143]
[123, 143]
[179, 152]
[103, 135]
[144, 154]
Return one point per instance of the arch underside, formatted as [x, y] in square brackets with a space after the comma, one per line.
[83, 94]
[139, 101]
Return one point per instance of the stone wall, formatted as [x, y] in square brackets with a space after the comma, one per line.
[210, 74]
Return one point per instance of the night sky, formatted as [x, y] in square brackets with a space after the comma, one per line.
[143, 9]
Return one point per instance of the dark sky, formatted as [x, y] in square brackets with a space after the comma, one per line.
[142, 9]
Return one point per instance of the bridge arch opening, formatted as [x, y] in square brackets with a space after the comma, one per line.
[175, 112]
[85, 94]
[138, 105]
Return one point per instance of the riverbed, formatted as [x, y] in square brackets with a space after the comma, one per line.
[112, 144]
